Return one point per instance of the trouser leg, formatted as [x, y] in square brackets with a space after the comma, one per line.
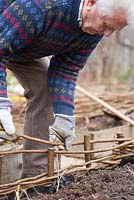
[33, 77]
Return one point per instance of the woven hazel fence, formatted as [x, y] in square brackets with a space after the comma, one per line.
[93, 158]
[122, 148]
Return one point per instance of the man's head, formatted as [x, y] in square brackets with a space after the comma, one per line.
[106, 16]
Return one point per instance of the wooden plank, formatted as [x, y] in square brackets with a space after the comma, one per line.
[11, 165]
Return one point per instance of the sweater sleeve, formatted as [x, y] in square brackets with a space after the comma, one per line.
[19, 24]
[4, 4]
[62, 77]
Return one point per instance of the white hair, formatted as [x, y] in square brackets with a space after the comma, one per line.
[108, 8]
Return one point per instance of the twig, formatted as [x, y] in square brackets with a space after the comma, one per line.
[130, 170]
[96, 151]
[17, 193]
[48, 142]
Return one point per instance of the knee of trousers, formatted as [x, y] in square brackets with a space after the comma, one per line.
[33, 76]
[37, 90]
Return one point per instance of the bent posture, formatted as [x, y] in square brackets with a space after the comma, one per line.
[66, 30]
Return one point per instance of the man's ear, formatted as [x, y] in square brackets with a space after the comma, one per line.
[89, 3]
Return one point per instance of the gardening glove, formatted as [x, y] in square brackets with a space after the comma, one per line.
[6, 117]
[63, 130]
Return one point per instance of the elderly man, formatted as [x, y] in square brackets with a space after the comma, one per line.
[68, 31]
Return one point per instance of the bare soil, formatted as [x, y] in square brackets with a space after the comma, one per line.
[103, 184]
[99, 122]
[116, 183]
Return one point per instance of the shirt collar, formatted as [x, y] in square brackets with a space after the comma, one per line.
[80, 13]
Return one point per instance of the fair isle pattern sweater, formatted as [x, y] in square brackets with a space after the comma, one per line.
[31, 29]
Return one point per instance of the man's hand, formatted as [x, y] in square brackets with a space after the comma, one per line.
[62, 130]
[6, 122]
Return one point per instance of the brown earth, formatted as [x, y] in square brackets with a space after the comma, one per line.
[99, 122]
[102, 184]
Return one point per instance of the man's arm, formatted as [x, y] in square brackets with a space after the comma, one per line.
[17, 29]
[18, 26]
[63, 73]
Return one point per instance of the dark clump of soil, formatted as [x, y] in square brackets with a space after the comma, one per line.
[102, 184]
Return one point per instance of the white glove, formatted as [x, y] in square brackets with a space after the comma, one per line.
[6, 121]
[62, 130]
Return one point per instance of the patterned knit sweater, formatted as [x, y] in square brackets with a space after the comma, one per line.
[31, 29]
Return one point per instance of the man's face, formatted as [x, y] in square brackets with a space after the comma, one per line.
[94, 23]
